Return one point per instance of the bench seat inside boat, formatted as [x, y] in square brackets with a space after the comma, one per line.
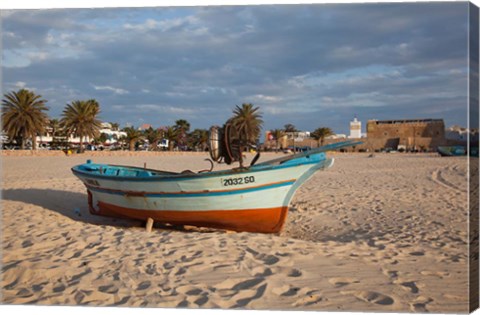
[117, 171]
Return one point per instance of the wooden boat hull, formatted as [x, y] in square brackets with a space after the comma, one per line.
[253, 200]
[268, 220]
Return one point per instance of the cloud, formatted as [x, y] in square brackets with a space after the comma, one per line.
[110, 88]
[302, 64]
[20, 85]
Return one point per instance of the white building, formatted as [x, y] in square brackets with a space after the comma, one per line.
[461, 134]
[337, 136]
[355, 129]
[113, 136]
[298, 136]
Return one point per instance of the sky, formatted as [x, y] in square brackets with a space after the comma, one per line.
[311, 66]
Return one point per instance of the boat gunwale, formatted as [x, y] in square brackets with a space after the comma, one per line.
[186, 176]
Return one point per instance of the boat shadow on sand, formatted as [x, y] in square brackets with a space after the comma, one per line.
[74, 206]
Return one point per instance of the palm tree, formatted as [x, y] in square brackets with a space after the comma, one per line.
[23, 116]
[54, 125]
[247, 121]
[133, 136]
[290, 128]
[292, 133]
[199, 138]
[171, 135]
[277, 134]
[182, 127]
[80, 118]
[122, 141]
[115, 126]
[153, 136]
[101, 139]
[320, 133]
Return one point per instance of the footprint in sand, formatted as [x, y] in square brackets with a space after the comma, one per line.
[294, 273]
[201, 300]
[111, 289]
[247, 284]
[38, 287]
[371, 297]
[24, 293]
[261, 271]
[122, 301]
[286, 290]
[241, 290]
[420, 304]
[310, 298]
[393, 274]
[59, 288]
[258, 293]
[265, 258]
[193, 295]
[410, 285]
[151, 269]
[189, 290]
[26, 243]
[144, 285]
[341, 282]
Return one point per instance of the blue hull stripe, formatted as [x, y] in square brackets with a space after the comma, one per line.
[187, 194]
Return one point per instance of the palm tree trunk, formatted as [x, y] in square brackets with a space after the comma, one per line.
[132, 145]
[81, 143]
[22, 139]
[34, 142]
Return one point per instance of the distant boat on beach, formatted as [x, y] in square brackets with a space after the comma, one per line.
[457, 151]
[253, 199]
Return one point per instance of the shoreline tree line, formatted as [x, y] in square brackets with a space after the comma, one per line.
[24, 117]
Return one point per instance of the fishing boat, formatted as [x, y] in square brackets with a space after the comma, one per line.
[252, 199]
[452, 150]
[457, 150]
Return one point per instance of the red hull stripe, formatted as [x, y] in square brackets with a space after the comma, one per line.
[268, 220]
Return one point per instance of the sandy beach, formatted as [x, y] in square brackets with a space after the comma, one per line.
[387, 233]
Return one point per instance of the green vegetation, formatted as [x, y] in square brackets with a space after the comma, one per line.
[182, 127]
[171, 135]
[153, 136]
[23, 116]
[80, 118]
[290, 128]
[320, 134]
[133, 137]
[277, 134]
[199, 139]
[248, 122]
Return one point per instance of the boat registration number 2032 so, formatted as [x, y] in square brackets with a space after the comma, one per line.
[252, 199]
[237, 180]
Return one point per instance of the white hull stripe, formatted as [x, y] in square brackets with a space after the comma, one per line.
[182, 194]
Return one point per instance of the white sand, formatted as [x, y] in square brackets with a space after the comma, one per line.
[387, 233]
